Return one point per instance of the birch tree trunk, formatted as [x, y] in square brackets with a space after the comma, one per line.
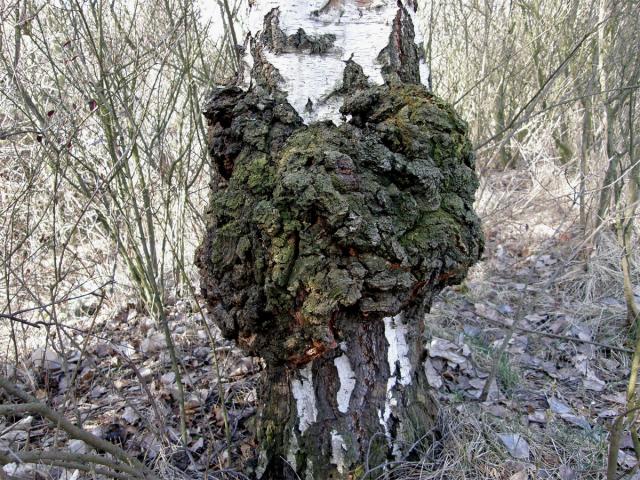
[306, 44]
[343, 203]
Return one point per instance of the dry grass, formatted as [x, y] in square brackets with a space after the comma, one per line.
[538, 260]
[470, 449]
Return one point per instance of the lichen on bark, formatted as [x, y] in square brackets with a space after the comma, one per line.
[309, 224]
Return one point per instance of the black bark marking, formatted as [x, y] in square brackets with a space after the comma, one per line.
[274, 39]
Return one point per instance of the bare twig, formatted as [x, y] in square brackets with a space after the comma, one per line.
[31, 405]
[67, 457]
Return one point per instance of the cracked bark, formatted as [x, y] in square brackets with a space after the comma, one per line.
[342, 203]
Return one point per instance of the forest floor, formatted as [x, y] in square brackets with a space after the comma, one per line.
[559, 382]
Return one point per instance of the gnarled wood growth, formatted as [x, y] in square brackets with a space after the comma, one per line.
[342, 204]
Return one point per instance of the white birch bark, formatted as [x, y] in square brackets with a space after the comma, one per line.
[310, 71]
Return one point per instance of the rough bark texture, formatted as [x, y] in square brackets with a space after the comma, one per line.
[325, 246]
[365, 412]
[310, 222]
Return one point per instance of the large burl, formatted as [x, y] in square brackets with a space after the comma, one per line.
[313, 226]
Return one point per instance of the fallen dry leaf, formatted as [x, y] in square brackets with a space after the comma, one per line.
[516, 445]
[439, 347]
[433, 377]
[153, 343]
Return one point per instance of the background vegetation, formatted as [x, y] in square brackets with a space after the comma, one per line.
[105, 177]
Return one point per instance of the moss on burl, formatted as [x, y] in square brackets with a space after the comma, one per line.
[309, 225]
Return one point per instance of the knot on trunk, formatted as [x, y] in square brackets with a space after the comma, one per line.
[308, 224]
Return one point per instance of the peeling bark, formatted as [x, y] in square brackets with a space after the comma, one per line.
[347, 379]
[342, 203]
